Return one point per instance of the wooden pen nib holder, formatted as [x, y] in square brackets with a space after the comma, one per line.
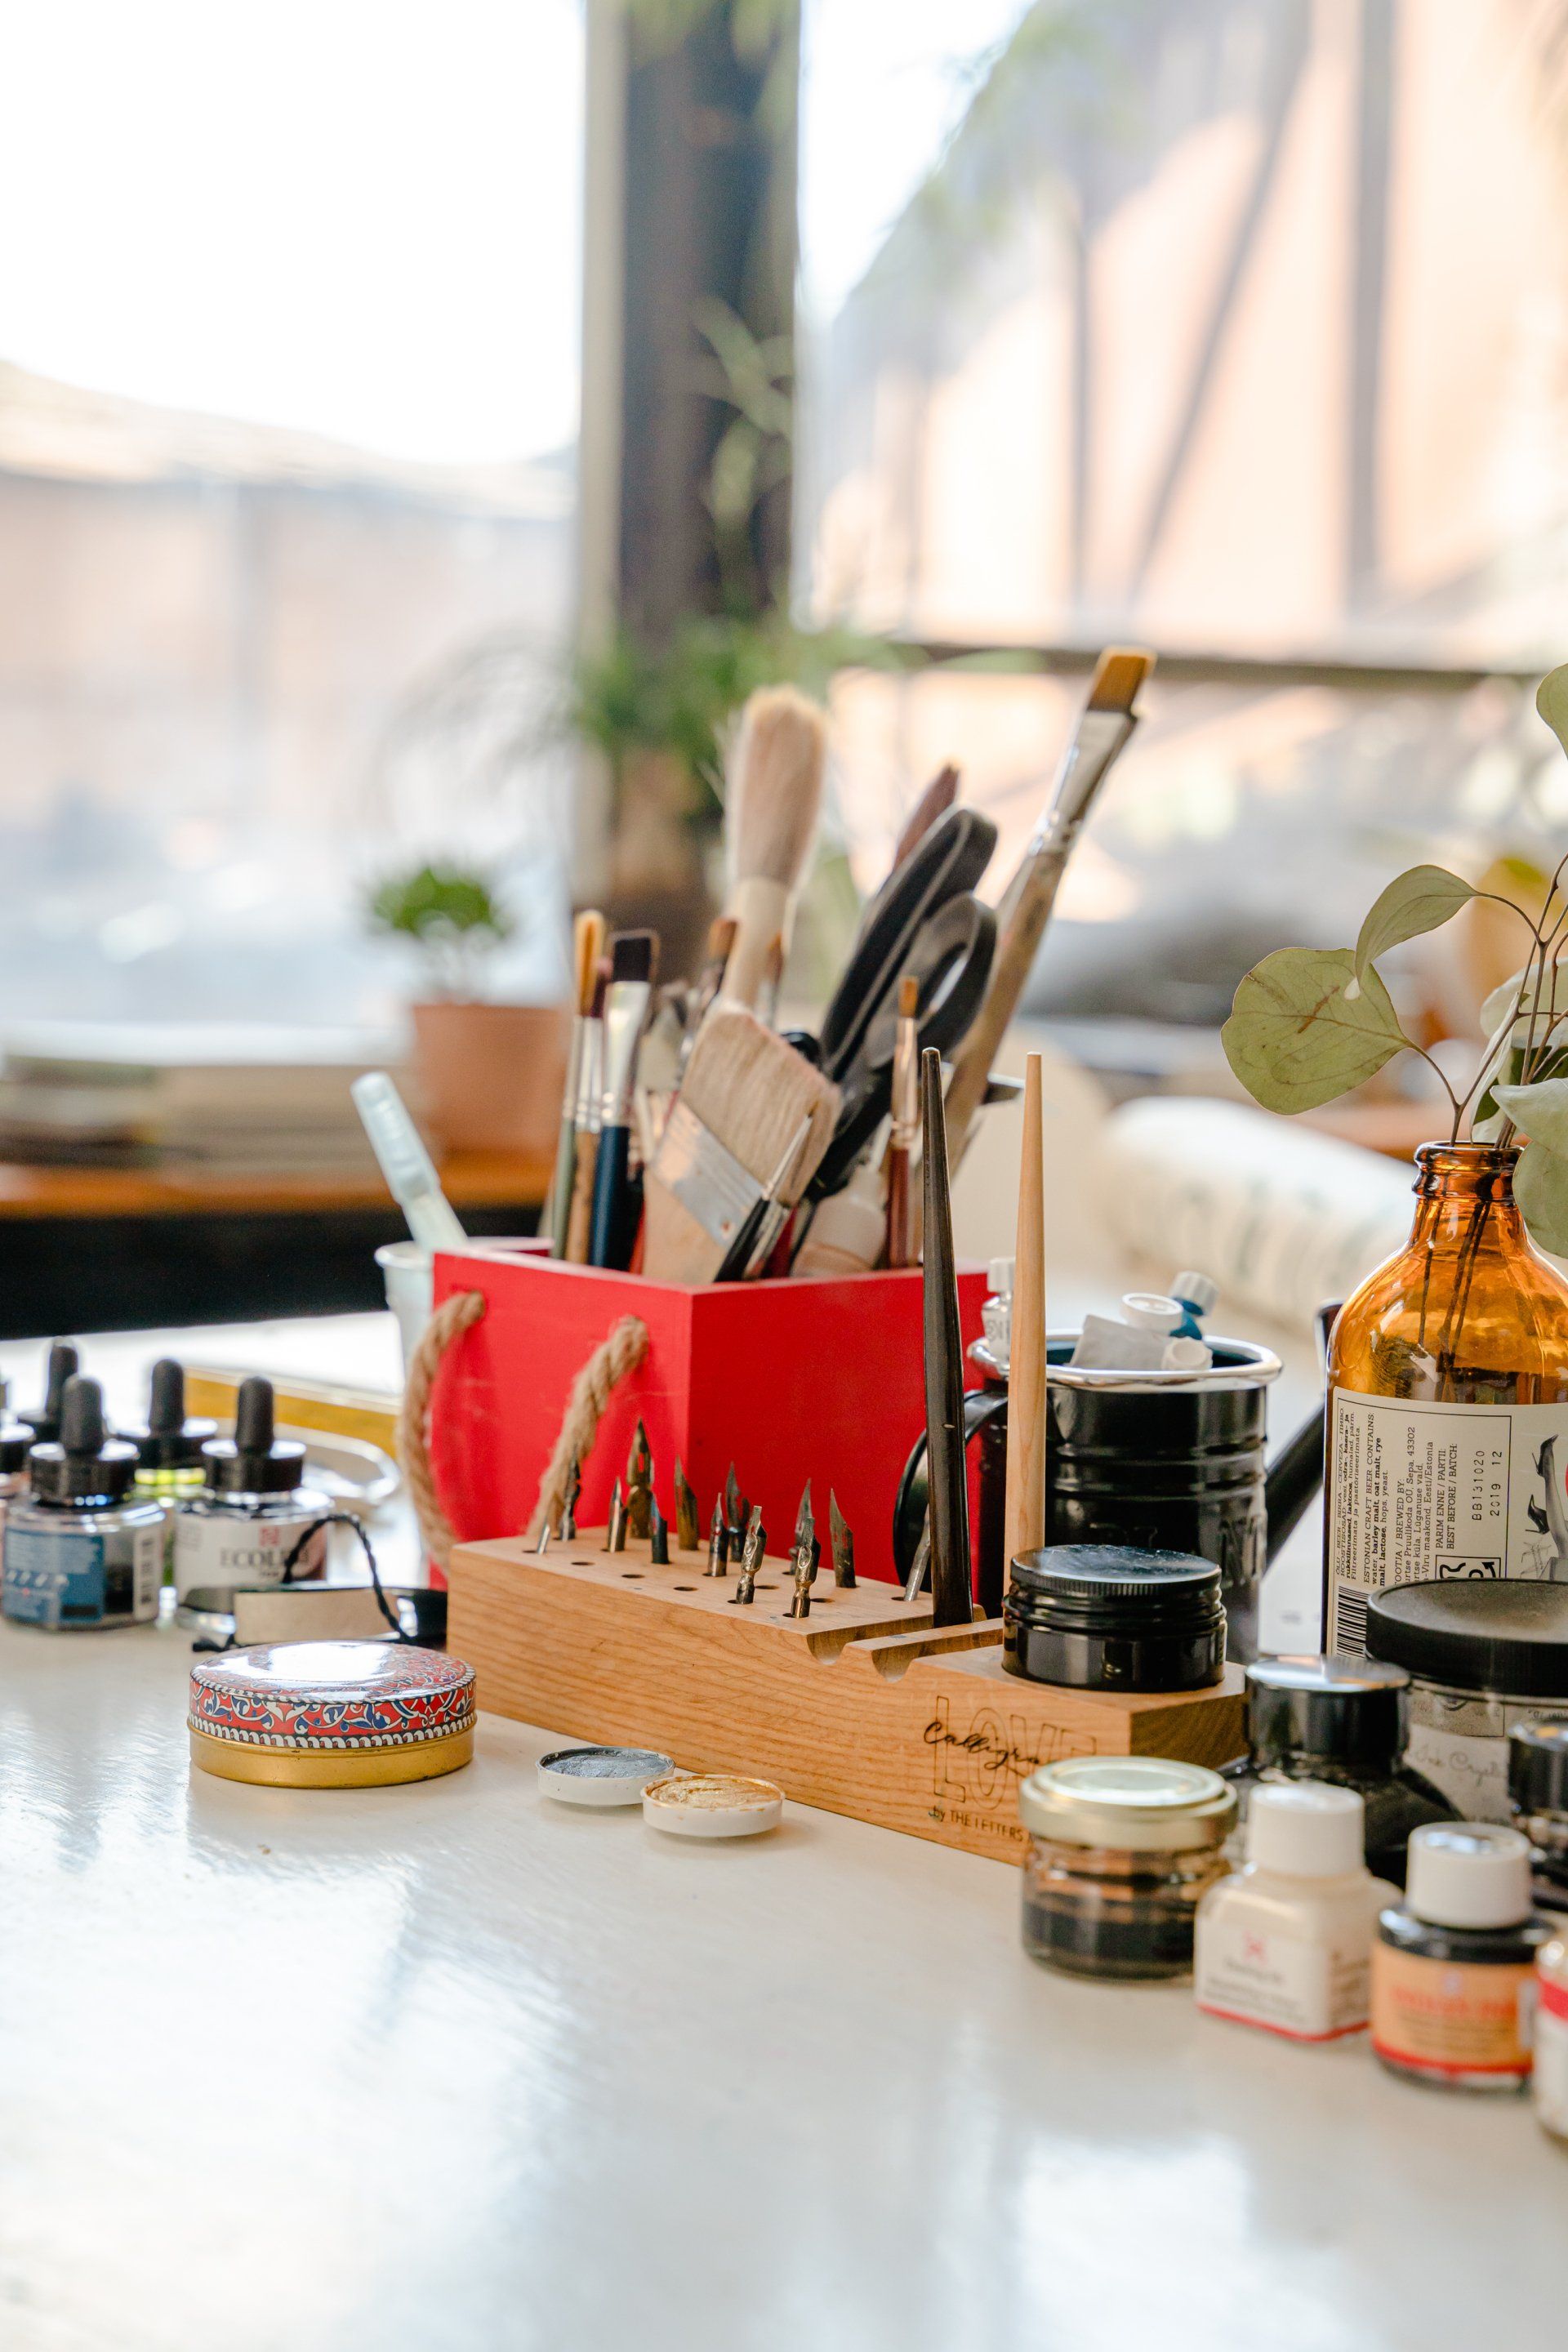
[860, 1707]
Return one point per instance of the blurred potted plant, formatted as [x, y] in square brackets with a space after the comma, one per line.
[489, 1074]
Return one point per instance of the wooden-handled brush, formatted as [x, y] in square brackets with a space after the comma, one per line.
[1101, 735]
[587, 947]
[743, 1101]
[775, 795]
[1023, 1519]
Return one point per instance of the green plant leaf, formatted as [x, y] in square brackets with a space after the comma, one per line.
[1541, 1189]
[1551, 702]
[1552, 1000]
[1539, 1110]
[1297, 1036]
[1414, 902]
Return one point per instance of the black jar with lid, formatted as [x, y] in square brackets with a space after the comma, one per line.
[1107, 1617]
[1345, 1721]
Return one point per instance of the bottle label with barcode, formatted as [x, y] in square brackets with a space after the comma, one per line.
[1428, 1490]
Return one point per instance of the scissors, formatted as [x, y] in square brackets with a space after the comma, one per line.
[925, 922]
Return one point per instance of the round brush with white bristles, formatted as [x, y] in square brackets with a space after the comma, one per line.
[775, 794]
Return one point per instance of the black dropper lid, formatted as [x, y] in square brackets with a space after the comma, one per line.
[1538, 1768]
[63, 1362]
[84, 1465]
[168, 1441]
[1348, 1711]
[253, 1462]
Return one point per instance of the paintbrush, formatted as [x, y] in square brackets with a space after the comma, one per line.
[590, 1100]
[587, 947]
[1024, 1521]
[935, 801]
[951, 1587]
[710, 981]
[745, 1095]
[774, 796]
[766, 1219]
[1103, 730]
[906, 1111]
[633, 956]
[772, 980]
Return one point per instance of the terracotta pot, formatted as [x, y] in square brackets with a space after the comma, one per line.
[490, 1076]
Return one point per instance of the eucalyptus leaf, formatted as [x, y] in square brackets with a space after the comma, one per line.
[1551, 702]
[1298, 1038]
[1417, 901]
[1539, 1110]
[1541, 1189]
[1552, 999]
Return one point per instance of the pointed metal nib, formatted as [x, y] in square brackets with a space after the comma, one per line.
[542, 1546]
[843, 1543]
[617, 1528]
[734, 1515]
[568, 1527]
[685, 1534]
[658, 1535]
[718, 1542]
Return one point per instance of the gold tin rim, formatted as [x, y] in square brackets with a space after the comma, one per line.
[319, 1767]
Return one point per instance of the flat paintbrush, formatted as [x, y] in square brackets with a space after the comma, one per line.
[951, 1584]
[611, 1237]
[775, 794]
[587, 947]
[1103, 730]
[744, 1098]
[906, 1111]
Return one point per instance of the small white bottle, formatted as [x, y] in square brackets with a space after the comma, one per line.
[1286, 1943]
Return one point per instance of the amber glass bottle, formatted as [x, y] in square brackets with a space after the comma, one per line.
[1447, 1433]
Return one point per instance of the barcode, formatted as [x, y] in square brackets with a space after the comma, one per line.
[1350, 1623]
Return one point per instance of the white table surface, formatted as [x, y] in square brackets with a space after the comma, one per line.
[451, 2065]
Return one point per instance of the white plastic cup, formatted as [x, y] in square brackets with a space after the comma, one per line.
[408, 1270]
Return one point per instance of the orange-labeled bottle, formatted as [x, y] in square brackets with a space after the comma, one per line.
[1448, 1425]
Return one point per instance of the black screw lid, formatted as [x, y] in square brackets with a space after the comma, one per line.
[1344, 1710]
[1479, 1633]
[1538, 1768]
[253, 1462]
[63, 1362]
[84, 1465]
[168, 1441]
[1117, 1579]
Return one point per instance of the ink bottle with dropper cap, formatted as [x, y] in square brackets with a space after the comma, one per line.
[169, 1449]
[252, 1509]
[79, 1549]
[16, 1440]
[45, 1420]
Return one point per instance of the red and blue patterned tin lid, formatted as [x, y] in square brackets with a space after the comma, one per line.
[347, 1697]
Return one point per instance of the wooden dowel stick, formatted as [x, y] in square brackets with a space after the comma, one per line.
[1025, 1504]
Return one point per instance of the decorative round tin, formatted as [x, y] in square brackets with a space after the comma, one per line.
[332, 1715]
[712, 1805]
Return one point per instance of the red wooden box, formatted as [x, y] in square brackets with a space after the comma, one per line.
[820, 1380]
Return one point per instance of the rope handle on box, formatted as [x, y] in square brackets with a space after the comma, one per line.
[616, 1356]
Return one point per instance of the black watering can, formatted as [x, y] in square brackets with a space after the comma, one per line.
[1164, 1461]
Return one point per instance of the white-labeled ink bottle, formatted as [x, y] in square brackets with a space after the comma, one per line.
[252, 1509]
[79, 1549]
[1286, 1943]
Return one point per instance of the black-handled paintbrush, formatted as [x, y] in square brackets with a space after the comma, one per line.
[614, 1231]
[951, 1584]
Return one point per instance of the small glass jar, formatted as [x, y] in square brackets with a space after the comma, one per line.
[1343, 1722]
[1122, 1851]
[1538, 1796]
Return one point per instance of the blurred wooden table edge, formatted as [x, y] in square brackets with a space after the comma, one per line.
[473, 1179]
